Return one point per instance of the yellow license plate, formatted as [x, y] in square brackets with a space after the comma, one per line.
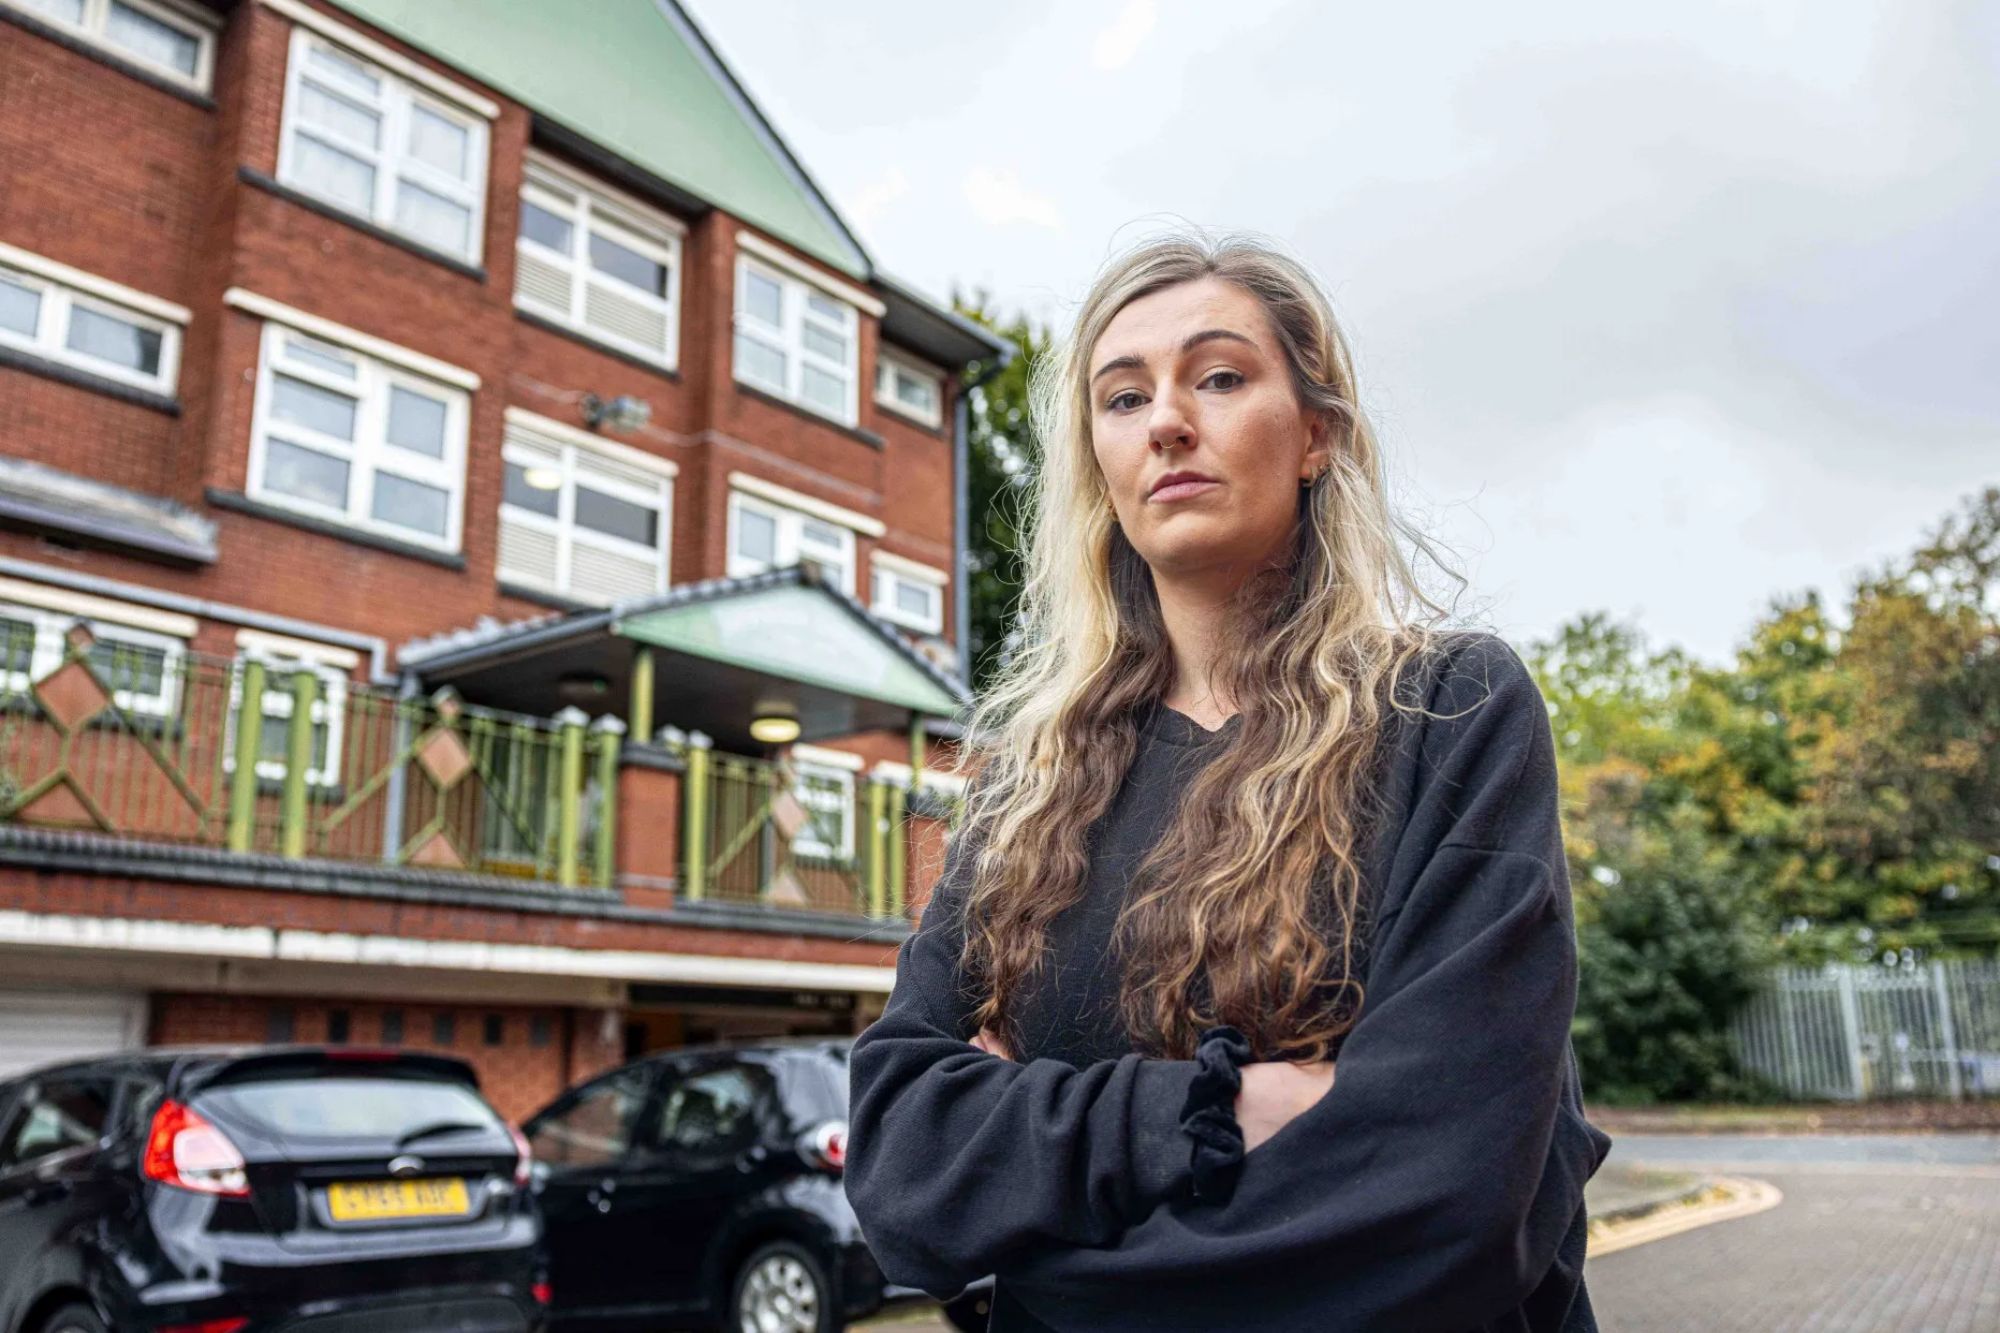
[375, 1200]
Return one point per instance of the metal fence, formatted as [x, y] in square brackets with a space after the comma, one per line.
[1852, 1033]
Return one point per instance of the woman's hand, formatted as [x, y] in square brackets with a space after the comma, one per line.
[989, 1041]
[1274, 1091]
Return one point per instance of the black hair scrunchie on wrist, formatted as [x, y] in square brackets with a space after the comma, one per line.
[1209, 1114]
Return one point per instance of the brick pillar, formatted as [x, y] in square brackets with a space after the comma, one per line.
[649, 832]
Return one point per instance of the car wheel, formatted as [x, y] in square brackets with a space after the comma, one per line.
[782, 1288]
[970, 1313]
[74, 1319]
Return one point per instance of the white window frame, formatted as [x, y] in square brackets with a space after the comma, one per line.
[51, 646]
[282, 658]
[369, 452]
[62, 290]
[555, 437]
[94, 28]
[790, 546]
[391, 159]
[841, 775]
[589, 206]
[889, 571]
[889, 364]
[787, 337]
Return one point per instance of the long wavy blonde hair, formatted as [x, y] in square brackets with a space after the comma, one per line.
[1246, 911]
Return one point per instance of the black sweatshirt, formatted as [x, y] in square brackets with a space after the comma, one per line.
[1437, 1186]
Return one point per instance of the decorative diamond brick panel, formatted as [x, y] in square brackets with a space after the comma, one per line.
[59, 805]
[71, 696]
[786, 891]
[787, 814]
[437, 852]
[444, 757]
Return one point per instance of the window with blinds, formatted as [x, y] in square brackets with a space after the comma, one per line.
[580, 522]
[601, 264]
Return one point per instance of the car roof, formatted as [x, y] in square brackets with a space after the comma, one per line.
[168, 1061]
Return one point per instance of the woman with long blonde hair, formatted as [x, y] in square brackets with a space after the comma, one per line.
[1243, 997]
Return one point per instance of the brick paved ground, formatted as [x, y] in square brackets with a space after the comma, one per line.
[1871, 1249]
[1875, 1235]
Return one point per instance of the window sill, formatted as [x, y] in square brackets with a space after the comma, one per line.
[63, 373]
[901, 622]
[313, 204]
[562, 330]
[867, 437]
[239, 503]
[907, 417]
[555, 601]
[92, 51]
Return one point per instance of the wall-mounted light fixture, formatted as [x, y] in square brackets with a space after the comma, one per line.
[774, 722]
[621, 413]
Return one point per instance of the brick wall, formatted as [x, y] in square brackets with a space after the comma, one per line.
[116, 177]
[540, 1050]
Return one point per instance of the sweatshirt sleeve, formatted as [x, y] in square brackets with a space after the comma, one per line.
[957, 1159]
[1434, 1183]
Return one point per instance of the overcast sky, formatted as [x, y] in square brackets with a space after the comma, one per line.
[1660, 310]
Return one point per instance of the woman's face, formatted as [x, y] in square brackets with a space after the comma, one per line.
[1191, 379]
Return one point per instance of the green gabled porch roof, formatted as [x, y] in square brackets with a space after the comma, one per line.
[796, 633]
[725, 644]
[637, 78]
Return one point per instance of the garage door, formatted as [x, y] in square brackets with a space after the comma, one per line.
[41, 1027]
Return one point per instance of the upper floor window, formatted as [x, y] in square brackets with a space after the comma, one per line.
[283, 659]
[357, 440]
[906, 385]
[765, 535]
[599, 263]
[174, 41]
[909, 593]
[382, 148]
[73, 318]
[581, 518]
[795, 340]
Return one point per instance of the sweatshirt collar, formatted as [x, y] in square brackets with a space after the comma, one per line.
[1173, 727]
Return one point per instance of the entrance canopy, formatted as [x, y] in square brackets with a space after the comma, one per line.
[722, 651]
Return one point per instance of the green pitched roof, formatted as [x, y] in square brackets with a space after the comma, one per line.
[637, 78]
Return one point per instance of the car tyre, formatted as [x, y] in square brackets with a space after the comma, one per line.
[970, 1313]
[782, 1287]
[74, 1319]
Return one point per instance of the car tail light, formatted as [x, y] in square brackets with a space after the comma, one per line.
[208, 1326]
[826, 1145]
[525, 1164]
[185, 1151]
[543, 1293]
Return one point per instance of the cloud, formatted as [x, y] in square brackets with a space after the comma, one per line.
[873, 199]
[999, 199]
[1118, 43]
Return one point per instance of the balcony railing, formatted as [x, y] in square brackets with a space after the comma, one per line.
[757, 832]
[144, 744]
[153, 746]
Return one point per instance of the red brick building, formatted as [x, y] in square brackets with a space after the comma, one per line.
[480, 541]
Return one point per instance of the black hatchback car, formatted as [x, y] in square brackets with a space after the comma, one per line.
[308, 1190]
[701, 1188]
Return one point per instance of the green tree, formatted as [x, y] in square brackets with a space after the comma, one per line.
[1002, 453]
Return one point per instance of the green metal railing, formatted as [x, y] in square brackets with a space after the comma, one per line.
[254, 755]
[760, 833]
